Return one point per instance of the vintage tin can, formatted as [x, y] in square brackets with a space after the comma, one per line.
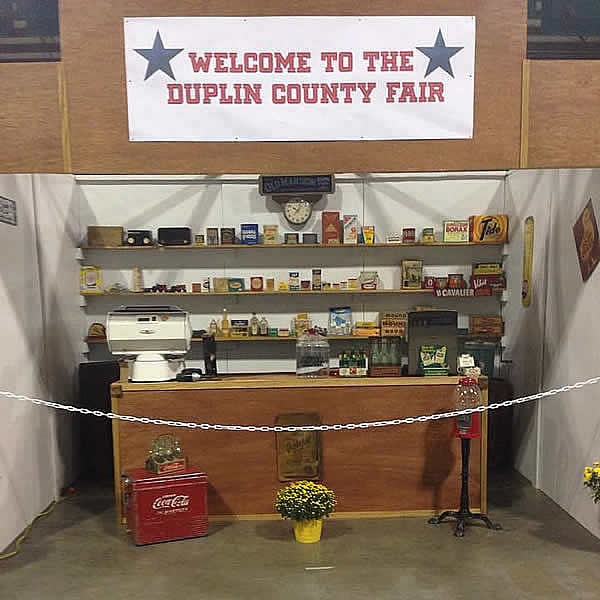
[428, 236]
[316, 279]
[249, 233]
[409, 235]
[270, 284]
[199, 239]
[196, 288]
[441, 283]
[236, 284]
[428, 282]
[162, 508]
[212, 236]
[353, 283]
[305, 284]
[256, 284]
[456, 281]
[271, 234]
[227, 235]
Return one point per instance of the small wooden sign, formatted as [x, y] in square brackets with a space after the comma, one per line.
[298, 452]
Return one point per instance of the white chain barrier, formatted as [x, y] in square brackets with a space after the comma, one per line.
[291, 428]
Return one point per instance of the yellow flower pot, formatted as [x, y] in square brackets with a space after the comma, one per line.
[308, 532]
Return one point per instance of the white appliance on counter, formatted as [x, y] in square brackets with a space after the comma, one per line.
[158, 337]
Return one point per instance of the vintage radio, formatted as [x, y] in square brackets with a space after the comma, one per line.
[99, 236]
[138, 237]
[331, 229]
[489, 229]
[162, 508]
[174, 236]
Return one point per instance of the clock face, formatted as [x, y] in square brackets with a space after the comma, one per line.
[297, 211]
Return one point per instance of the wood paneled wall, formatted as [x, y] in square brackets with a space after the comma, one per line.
[93, 57]
[562, 128]
[30, 119]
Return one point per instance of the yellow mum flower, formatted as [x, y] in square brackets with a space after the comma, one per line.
[587, 477]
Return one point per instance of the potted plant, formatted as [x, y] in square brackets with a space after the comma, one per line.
[591, 479]
[306, 503]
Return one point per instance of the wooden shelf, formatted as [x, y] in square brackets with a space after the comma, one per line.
[299, 293]
[296, 246]
[354, 338]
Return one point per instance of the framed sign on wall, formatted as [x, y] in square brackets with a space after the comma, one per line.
[299, 78]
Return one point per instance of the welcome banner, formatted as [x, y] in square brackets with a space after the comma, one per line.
[299, 78]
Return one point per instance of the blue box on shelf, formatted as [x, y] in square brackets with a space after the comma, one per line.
[249, 233]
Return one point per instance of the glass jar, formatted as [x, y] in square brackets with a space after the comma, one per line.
[467, 394]
[312, 355]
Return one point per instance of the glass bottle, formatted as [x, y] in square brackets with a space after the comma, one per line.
[225, 326]
[254, 325]
[212, 327]
[264, 326]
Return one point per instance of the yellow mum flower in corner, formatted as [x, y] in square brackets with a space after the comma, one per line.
[587, 476]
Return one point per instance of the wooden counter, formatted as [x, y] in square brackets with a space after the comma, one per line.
[407, 469]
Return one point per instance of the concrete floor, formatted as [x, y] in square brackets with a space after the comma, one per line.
[77, 553]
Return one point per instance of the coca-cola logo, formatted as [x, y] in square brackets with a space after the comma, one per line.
[170, 501]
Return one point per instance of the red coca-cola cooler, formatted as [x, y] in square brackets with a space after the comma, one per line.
[162, 508]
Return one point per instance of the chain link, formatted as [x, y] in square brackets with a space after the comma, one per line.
[290, 428]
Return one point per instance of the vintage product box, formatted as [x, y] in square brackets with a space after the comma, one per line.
[368, 234]
[206, 284]
[350, 229]
[249, 233]
[487, 325]
[316, 279]
[331, 228]
[456, 231]
[393, 238]
[256, 284]
[91, 280]
[493, 282]
[366, 331]
[270, 284]
[196, 288]
[310, 238]
[283, 286]
[220, 284]
[409, 235]
[290, 238]
[199, 239]
[369, 280]
[283, 332]
[494, 268]
[305, 285]
[236, 284]
[335, 286]
[239, 328]
[212, 236]
[273, 332]
[393, 324]
[227, 235]
[98, 236]
[412, 274]
[489, 229]
[271, 234]
[161, 508]
[294, 281]
[353, 283]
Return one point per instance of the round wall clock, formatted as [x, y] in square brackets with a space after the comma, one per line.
[297, 210]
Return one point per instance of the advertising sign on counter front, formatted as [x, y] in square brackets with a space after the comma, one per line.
[299, 78]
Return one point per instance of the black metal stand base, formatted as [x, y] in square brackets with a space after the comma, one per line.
[464, 515]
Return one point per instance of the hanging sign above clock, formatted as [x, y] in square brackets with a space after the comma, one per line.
[272, 185]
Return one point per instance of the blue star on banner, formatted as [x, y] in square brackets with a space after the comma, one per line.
[158, 57]
[439, 55]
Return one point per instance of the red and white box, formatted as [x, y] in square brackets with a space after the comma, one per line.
[162, 508]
